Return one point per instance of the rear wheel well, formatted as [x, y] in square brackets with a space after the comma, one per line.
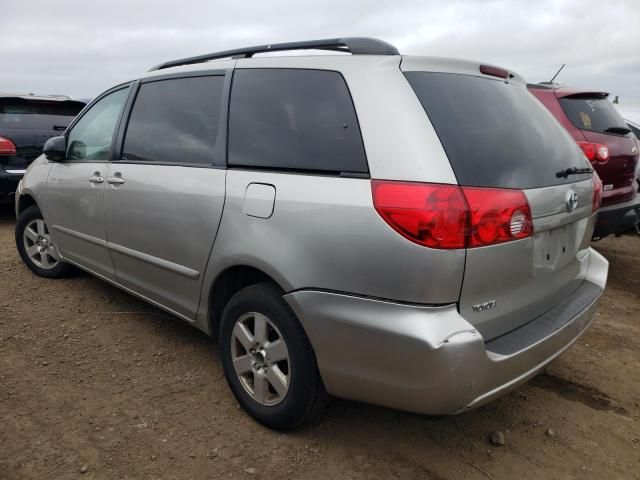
[25, 202]
[227, 284]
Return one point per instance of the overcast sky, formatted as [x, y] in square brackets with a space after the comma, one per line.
[82, 47]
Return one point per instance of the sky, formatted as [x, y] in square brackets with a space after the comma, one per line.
[82, 47]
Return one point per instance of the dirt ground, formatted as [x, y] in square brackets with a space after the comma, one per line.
[97, 384]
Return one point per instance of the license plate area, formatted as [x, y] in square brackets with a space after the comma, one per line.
[554, 249]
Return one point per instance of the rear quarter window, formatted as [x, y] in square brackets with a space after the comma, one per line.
[592, 113]
[496, 133]
[295, 120]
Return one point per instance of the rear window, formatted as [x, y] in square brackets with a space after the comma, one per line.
[294, 119]
[592, 113]
[495, 133]
[42, 115]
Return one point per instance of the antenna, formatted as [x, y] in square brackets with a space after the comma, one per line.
[557, 73]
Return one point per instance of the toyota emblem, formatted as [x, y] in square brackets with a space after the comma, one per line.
[572, 200]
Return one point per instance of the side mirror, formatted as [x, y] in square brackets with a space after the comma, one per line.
[55, 149]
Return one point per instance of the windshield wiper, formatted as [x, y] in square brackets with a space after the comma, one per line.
[618, 130]
[573, 171]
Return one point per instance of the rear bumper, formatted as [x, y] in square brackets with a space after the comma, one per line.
[9, 178]
[617, 218]
[426, 360]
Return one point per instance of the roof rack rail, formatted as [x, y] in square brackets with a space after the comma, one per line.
[353, 45]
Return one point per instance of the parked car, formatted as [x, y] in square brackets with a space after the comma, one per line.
[27, 121]
[595, 124]
[635, 128]
[411, 232]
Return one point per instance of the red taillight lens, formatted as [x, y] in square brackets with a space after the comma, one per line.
[7, 147]
[497, 215]
[431, 215]
[448, 216]
[597, 192]
[595, 152]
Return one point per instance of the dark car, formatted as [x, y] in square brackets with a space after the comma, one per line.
[635, 128]
[608, 142]
[26, 123]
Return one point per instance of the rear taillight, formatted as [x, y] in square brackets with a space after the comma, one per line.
[431, 215]
[7, 147]
[595, 152]
[597, 192]
[449, 216]
[497, 215]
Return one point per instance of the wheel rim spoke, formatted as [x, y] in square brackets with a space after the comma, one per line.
[260, 387]
[277, 380]
[243, 364]
[41, 228]
[31, 234]
[241, 333]
[260, 328]
[277, 351]
[44, 260]
[33, 250]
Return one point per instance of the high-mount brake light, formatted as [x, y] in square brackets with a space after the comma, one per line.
[7, 147]
[449, 216]
[494, 71]
[595, 152]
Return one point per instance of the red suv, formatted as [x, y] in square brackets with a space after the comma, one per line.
[608, 143]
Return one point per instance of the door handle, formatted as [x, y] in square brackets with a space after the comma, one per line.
[116, 180]
[96, 178]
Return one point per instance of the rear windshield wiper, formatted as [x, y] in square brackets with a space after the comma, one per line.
[573, 171]
[618, 130]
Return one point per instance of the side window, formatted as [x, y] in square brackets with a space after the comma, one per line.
[294, 119]
[91, 137]
[175, 121]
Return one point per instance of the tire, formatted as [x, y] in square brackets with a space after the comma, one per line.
[305, 398]
[43, 264]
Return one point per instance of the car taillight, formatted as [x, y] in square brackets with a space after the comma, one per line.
[7, 147]
[595, 152]
[449, 216]
[497, 215]
[431, 215]
[597, 192]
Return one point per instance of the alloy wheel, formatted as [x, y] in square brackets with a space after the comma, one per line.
[38, 245]
[260, 358]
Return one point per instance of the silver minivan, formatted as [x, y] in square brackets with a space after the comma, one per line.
[406, 231]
